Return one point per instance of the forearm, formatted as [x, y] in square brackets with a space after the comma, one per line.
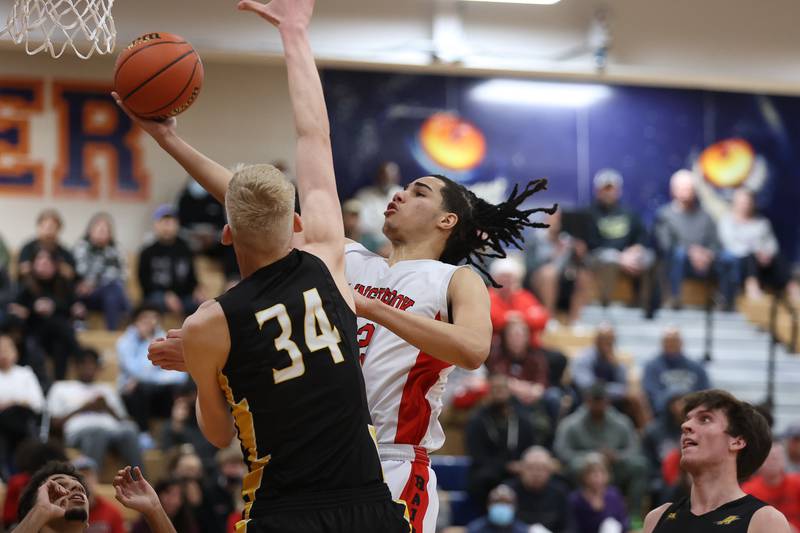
[33, 522]
[218, 434]
[305, 87]
[207, 172]
[454, 344]
[158, 521]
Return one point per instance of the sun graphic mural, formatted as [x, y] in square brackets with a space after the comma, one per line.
[452, 142]
[727, 164]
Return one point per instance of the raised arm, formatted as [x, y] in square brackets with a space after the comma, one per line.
[207, 172]
[323, 229]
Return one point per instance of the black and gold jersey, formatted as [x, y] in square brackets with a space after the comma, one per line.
[294, 384]
[732, 517]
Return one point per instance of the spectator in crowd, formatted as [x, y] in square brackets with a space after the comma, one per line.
[749, 244]
[541, 497]
[148, 391]
[172, 499]
[91, 415]
[166, 267]
[527, 371]
[101, 268]
[48, 226]
[596, 506]
[226, 493]
[672, 372]
[660, 442]
[54, 490]
[618, 241]
[187, 467]
[559, 276]
[351, 216]
[599, 364]
[791, 442]
[496, 436]
[500, 516]
[597, 427]
[778, 488]
[201, 221]
[104, 516]
[21, 402]
[374, 200]
[6, 288]
[47, 304]
[31, 455]
[512, 301]
[686, 236]
[182, 427]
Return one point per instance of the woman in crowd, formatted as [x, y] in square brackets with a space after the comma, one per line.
[46, 303]
[101, 268]
[596, 506]
[750, 249]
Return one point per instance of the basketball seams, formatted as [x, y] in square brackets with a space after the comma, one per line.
[180, 94]
[159, 72]
[118, 69]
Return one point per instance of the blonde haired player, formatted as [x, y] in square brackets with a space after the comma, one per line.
[420, 314]
[275, 358]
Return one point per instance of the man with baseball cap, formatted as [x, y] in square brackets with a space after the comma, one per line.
[166, 267]
[618, 241]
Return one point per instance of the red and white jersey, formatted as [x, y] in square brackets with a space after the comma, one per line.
[404, 385]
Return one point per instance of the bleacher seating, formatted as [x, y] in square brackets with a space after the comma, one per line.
[451, 477]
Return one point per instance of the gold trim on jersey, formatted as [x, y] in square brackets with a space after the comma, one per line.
[243, 419]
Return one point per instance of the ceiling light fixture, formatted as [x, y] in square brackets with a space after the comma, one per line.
[538, 2]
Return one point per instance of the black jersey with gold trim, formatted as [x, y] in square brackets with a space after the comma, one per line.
[732, 517]
[294, 384]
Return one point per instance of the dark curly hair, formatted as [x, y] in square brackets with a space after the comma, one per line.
[28, 497]
[484, 230]
[744, 421]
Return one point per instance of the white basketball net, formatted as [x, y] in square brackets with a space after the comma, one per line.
[85, 26]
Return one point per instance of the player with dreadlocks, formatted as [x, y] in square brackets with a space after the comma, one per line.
[420, 314]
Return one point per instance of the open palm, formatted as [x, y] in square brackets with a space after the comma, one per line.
[296, 13]
[136, 494]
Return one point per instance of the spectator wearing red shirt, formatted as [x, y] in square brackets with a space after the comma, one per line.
[773, 485]
[104, 516]
[511, 300]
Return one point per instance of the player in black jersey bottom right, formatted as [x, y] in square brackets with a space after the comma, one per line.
[723, 442]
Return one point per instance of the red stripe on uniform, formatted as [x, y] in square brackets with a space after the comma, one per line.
[415, 493]
[414, 414]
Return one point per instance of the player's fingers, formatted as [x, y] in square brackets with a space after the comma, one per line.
[174, 333]
[138, 472]
[122, 105]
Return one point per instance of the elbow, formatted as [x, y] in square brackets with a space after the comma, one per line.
[222, 441]
[475, 357]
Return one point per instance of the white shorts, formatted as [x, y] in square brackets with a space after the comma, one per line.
[411, 479]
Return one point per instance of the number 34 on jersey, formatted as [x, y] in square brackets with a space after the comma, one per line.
[318, 332]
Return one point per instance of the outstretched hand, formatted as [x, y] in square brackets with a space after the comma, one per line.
[136, 494]
[167, 352]
[157, 129]
[281, 13]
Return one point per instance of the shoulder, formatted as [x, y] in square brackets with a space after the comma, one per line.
[768, 520]
[206, 326]
[652, 518]
[467, 280]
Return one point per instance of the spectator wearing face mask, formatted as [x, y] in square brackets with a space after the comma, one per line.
[502, 506]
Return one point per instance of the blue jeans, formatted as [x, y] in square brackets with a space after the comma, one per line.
[111, 300]
[722, 268]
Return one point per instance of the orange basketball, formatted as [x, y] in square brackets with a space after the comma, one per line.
[158, 75]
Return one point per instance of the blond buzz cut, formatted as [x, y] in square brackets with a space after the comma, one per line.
[260, 206]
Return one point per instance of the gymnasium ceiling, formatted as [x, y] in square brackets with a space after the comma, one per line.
[733, 43]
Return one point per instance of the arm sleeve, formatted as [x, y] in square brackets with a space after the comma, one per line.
[663, 232]
[769, 244]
